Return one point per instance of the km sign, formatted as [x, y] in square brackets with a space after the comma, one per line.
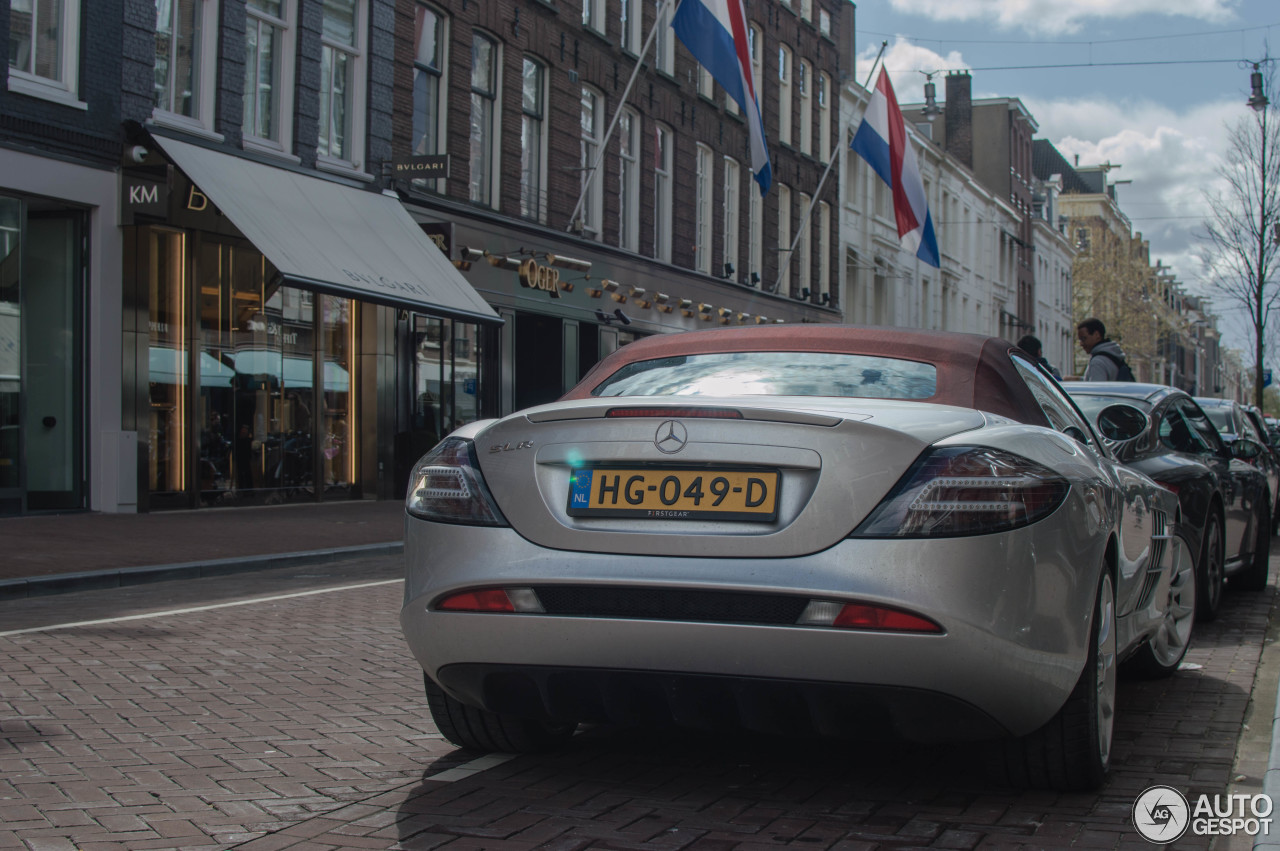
[142, 195]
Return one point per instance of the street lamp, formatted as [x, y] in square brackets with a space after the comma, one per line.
[931, 108]
[1257, 99]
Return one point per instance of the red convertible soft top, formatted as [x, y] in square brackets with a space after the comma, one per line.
[974, 371]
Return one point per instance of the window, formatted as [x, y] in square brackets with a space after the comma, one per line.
[182, 84]
[665, 50]
[629, 180]
[593, 14]
[732, 179]
[630, 20]
[805, 247]
[806, 10]
[755, 226]
[824, 22]
[706, 86]
[824, 118]
[592, 133]
[774, 374]
[703, 177]
[429, 86]
[755, 41]
[784, 238]
[662, 193]
[44, 48]
[533, 165]
[484, 106]
[268, 73]
[341, 78]
[784, 94]
[804, 83]
[824, 248]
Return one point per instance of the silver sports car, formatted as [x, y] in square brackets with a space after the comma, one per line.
[818, 528]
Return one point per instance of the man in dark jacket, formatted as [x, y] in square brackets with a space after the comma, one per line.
[1106, 358]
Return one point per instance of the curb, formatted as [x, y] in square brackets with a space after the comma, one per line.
[93, 580]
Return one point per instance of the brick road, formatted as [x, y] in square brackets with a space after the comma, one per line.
[300, 723]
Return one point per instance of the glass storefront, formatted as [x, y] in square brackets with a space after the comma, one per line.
[41, 345]
[251, 388]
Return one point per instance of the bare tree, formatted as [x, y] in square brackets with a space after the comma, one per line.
[1243, 249]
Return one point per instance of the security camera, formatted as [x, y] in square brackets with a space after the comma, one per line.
[139, 153]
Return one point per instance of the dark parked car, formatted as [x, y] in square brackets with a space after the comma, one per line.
[1235, 421]
[1224, 498]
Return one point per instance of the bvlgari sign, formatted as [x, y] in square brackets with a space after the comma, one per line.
[417, 168]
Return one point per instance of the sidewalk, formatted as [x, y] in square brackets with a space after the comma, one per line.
[44, 554]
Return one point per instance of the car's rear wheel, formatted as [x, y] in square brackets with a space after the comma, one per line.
[1073, 751]
[1210, 570]
[1163, 651]
[482, 730]
[1254, 577]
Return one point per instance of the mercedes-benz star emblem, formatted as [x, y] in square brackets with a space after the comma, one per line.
[671, 437]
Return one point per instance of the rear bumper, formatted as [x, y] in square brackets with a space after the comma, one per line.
[1015, 609]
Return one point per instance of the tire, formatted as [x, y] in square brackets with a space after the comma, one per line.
[482, 730]
[1161, 654]
[1072, 752]
[1210, 570]
[1254, 577]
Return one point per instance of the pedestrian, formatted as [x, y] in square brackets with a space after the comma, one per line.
[1106, 358]
[1031, 345]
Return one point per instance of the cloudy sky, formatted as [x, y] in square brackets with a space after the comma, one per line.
[1149, 85]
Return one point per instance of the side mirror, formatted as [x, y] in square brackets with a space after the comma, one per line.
[1122, 422]
[1245, 449]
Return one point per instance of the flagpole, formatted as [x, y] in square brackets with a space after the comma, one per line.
[818, 192]
[617, 113]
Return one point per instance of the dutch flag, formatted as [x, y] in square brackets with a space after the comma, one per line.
[882, 141]
[715, 31]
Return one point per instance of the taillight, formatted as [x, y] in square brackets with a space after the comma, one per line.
[965, 490]
[447, 487]
[523, 600]
[864, 616]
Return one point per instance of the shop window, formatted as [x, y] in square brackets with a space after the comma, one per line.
[44, 49]
[429, 86]
[533, 165]
[342, 82]
[446, 378]
[268, 74]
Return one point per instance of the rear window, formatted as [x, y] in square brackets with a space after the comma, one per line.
[774, 374]
[1221, 419]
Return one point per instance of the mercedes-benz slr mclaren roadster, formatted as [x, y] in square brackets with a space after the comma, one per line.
[822, 529]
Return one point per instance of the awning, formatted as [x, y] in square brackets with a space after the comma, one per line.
[331, 237]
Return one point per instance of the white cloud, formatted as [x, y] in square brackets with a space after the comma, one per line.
[1054, 16]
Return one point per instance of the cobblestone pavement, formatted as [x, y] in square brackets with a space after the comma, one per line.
[298, 722]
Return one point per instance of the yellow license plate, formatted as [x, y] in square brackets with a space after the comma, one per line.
[674, 494]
